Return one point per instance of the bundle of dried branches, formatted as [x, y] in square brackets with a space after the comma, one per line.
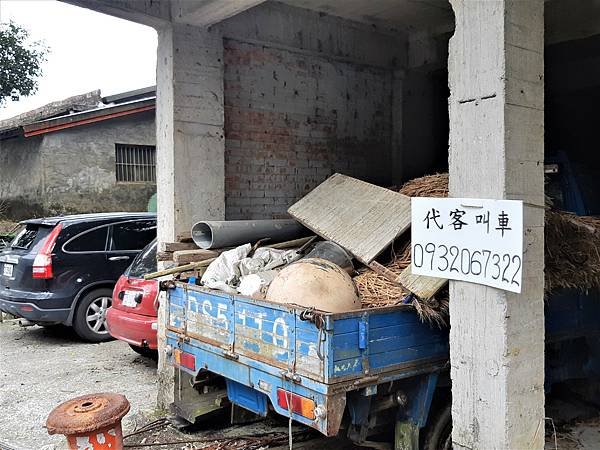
[434, 310]
[572, 256]
[429, 186]
[375, 290]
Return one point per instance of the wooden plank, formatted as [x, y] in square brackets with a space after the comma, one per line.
[359, 216]
[422, 286]
[192, 273]
[385, 273]
[164, 256]
[189, 256]
[176, 246]
[185, 236]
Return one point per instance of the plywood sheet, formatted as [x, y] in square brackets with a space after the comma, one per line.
[359, 216]
[422, 286]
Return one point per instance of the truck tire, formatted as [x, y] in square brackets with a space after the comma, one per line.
[90, 316]
[438, 434]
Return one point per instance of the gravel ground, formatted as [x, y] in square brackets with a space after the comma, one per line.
[42, 367]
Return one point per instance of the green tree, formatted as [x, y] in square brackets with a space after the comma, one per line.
[20, 61]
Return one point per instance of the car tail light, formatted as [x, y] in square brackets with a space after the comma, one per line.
[42, 264]
[185, 359]
[299, 405]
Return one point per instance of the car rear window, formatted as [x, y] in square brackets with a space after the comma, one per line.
[28, 235]
[143, 263]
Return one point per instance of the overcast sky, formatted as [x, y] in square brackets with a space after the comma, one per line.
[88, 51]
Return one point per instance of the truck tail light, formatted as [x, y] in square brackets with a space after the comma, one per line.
[184, 359]
[42, 264]
[300, 405]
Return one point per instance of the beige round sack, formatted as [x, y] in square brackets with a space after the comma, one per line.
[315, 282]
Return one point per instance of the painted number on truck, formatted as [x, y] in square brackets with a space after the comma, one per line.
[221, 318]
[279, 329]
[272, 329]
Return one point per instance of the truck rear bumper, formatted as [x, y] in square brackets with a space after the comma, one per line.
[257, 390]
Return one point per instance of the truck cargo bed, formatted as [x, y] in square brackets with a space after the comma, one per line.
[263, 346]
[323, 347]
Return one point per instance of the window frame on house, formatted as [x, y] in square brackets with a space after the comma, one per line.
[135, 164]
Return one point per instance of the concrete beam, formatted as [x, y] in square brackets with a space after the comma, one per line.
[153, 13]
[204, 13]
[567, 21]
[285, 27]
[496, 69]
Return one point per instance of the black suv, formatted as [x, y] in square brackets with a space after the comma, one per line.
[62, 270]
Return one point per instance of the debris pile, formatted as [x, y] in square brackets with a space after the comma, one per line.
[161, 436]
[371, 224]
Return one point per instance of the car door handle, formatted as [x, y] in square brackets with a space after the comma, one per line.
[118, 258]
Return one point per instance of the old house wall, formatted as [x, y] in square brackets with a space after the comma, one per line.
[79, 167]
[305, 96]
[73, 170]
[21, 177]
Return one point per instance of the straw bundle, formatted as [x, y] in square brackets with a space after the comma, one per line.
[572, 256]
[428, 186]
[375, 290]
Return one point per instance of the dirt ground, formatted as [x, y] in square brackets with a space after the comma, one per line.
[42, 367]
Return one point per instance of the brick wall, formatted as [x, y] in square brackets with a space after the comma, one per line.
[294, 118]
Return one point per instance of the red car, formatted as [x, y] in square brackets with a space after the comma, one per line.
[133, 315]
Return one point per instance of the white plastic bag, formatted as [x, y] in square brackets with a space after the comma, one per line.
[223, 272]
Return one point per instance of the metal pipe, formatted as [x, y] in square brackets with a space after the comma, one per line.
[227, 233]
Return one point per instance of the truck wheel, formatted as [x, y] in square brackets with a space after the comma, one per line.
[438, 435]
[90, 317]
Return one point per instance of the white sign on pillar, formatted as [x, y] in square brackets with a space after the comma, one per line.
[475, 240]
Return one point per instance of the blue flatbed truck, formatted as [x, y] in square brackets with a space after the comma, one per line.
[362, 371]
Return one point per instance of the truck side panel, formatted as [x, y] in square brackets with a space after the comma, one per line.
[373, 341]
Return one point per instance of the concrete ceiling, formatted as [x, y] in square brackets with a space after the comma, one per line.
[405, 15]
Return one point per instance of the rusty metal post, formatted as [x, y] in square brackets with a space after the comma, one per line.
[91, 421]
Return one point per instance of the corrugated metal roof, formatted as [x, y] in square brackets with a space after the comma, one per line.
[67, 114]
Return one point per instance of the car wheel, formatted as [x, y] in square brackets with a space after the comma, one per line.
[90, 316]
[438, 436]
[145, 351]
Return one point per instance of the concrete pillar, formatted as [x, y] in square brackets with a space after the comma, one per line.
[190, 141]
[496, 106]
